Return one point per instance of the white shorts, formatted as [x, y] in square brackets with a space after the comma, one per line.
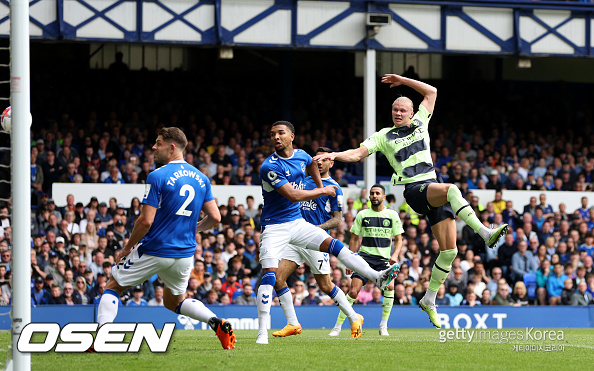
[297, 232]
[175, 272]
[319, 262]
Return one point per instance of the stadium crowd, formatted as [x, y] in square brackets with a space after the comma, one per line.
[546, 258]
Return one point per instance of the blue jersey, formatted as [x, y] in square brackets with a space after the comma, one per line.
[275, 172]
[178, 190]
[319, 210]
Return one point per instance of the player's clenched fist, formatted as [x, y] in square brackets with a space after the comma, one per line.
[330, 190]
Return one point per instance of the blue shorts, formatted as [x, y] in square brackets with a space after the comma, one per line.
[415, 195]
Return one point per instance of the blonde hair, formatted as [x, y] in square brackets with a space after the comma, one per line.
[405, 100]
[520, 285]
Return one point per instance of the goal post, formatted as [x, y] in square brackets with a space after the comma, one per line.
[21, 178]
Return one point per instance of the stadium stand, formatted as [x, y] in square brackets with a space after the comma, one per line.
[492, 140]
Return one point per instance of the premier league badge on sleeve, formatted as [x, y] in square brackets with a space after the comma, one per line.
[303, 167]
[147, 189]
[271, 175]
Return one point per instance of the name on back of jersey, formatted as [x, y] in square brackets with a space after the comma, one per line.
[185, 173]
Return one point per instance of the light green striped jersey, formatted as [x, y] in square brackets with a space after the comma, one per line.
[407, 149]
[377, 229]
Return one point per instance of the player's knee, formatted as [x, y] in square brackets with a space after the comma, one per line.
[390, 286]
[353, 293]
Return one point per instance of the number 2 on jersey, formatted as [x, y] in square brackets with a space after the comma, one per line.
[191, 193]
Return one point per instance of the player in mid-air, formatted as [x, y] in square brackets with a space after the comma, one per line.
[376, 226]
[163, 240]
[406, 146]
[326, 213]
[283, 175]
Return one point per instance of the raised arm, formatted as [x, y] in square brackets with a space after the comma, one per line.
[351, 155]
[428, 92]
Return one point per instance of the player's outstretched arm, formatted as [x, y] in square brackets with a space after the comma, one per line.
[212, 218]
[428, 92]
[351, 155]
[141, 227]
[298, 195]
[397, 248]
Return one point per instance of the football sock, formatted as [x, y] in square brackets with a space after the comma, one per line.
[351, 260]
[387, 305]
[265, 299]
[346, 307]
[341, 315]
[440, 272]
[286, 301]
[108, 307]
[194, 309]
[465, 212]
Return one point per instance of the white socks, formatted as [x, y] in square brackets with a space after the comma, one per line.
[286, 301]
[356, 263]
[195, 309]
[344, 304]
[429, 297]
[108, 307]
[264, 303]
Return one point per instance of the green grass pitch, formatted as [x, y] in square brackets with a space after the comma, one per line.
[314, 350]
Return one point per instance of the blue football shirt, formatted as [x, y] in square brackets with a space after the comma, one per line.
[275, 172]
[319, 210]
[178, 190]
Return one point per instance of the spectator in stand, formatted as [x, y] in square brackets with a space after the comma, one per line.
[588, 245]
[39, 296]
[246, 297]
[81, 290]
[584, 210]
[523, 262]
[503, 296]
[56, 295]
[555, 284]
[531, 207]
[582, 296]
[454, 296]
[157, 301]
[520, 294]
[231, 284]
[137, 300]
[441, 298]
[567, 291]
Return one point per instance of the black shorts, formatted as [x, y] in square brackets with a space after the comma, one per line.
[415, 195]
[375, 262]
